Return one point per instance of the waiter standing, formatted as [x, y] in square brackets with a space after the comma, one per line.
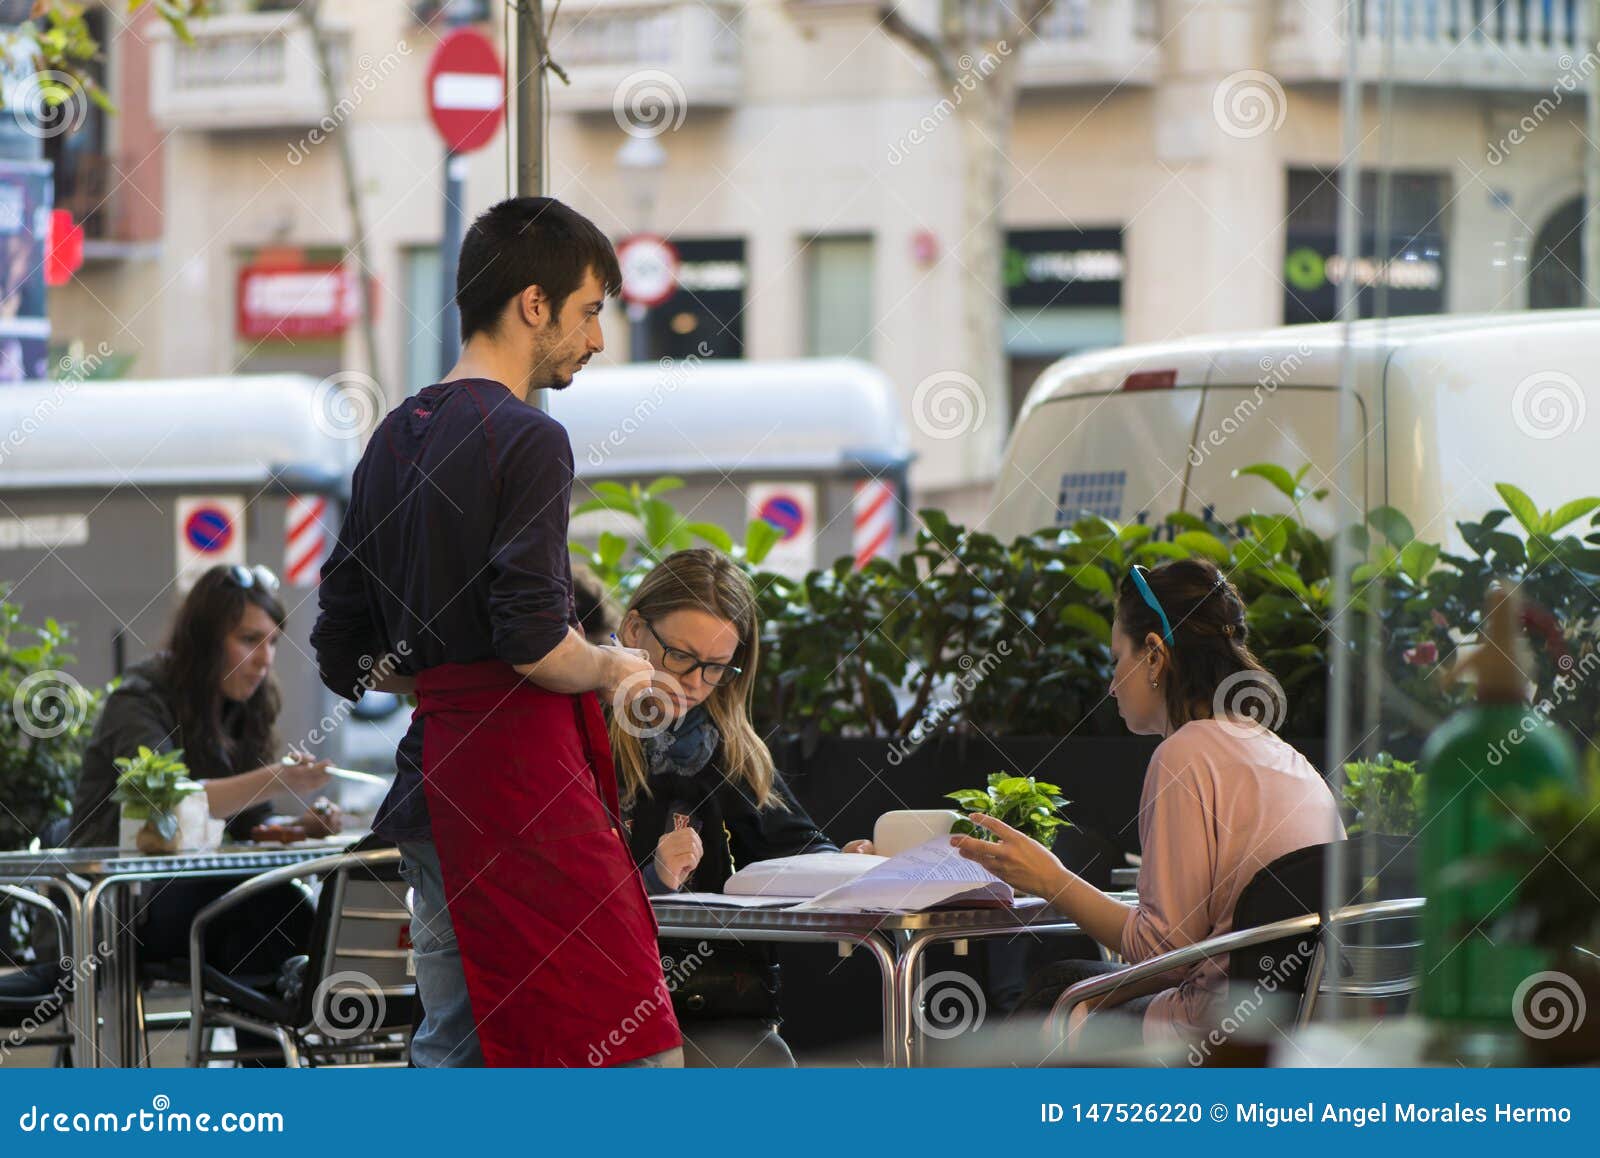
[534, 940]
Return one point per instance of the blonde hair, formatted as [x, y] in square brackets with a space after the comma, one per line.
[706, 580]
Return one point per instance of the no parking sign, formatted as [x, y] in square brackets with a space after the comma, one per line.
[210, 530]
[792, 508]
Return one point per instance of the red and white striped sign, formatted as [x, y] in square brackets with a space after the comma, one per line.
[875, 516]
[305, 540]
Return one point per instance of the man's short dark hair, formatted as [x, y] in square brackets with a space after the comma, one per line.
[526, 241]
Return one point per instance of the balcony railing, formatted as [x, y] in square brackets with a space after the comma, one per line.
[1091, 43]
[252, 70]
[611, 50]
[1478, 44]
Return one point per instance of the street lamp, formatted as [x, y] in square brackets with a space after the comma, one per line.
[641, 159]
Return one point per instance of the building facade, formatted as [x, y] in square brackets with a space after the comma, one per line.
[1169, 171]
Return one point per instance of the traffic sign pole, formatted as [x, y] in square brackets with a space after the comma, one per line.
[467, 103]
[455, 192]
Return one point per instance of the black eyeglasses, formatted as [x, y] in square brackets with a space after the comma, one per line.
[257, 576]
[683, 663]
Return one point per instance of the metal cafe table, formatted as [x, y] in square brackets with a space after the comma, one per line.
[896, 941]
[96, 888]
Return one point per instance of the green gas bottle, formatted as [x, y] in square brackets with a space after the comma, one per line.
[1472, 764]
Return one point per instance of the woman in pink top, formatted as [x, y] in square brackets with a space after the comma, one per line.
[1223, 797]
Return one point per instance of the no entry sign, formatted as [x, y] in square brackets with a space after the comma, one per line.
[466, 90]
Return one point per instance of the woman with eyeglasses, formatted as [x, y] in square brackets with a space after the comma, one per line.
[700, 793]
[212, 695]
[1223, 797]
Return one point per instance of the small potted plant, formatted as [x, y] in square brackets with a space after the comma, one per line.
[150, 787]
[1030, 806]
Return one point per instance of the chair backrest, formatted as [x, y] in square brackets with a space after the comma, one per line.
[1378, 948]
[356, 980]
[1291, 886]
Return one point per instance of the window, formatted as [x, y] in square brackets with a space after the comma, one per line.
[839, 297]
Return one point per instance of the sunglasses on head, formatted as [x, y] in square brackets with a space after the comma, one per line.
[248, 577]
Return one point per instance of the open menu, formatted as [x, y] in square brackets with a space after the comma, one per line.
[924, 877]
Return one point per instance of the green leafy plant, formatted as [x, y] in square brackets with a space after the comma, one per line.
[150, 787]
[45, 720]
[620, 562]
[1382, 795]
[1028, 805]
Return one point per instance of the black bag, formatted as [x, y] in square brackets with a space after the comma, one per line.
[726, 981]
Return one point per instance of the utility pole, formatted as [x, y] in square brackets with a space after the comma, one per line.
[529, 96]
[1591, 170]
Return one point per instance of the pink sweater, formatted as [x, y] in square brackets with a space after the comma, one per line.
[1220, 801]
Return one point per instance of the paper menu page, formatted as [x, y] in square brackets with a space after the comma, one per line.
[724, 900]
[932, 873]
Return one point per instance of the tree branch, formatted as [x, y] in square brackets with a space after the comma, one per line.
[932, 50]
[1027, 13]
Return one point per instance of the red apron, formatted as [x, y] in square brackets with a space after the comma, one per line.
[557, 938]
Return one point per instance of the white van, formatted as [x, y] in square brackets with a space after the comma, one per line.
[1445, 407]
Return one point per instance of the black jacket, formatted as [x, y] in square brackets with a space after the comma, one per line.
[139, 712]
[732, 829]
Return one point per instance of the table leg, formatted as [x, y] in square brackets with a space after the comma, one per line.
[883, 950]
[76, 952]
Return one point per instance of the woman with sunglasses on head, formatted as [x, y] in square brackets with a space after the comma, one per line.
[1223, 797]
[212, 695]
[701, 796]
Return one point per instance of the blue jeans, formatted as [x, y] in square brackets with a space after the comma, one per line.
[448, 1035]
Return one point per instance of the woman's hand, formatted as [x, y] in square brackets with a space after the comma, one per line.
[1018, 859]
[323, 818]
[301, 775]
[677, 854]
[863, 846]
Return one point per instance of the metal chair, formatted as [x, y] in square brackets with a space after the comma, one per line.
[353, 1003]
[35, 998]
[1385, 967]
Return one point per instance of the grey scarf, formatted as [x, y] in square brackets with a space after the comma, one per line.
[685, 749]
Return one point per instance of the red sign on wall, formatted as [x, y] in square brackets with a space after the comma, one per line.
[303, 301]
